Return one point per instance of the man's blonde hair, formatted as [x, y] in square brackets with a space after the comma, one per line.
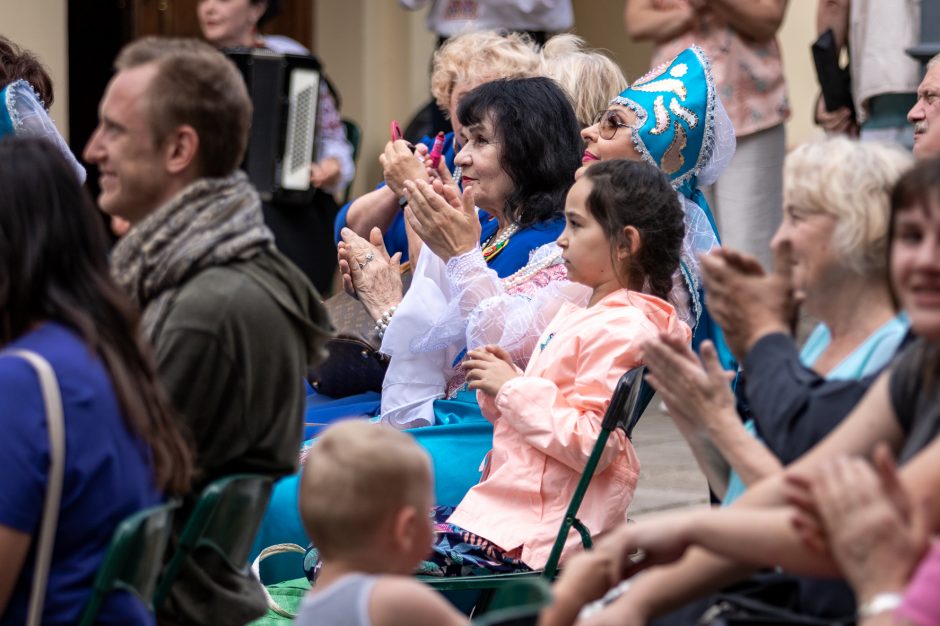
[357, 475]
[852, 182]
[479, 57]
[194, 85]
[590, 78]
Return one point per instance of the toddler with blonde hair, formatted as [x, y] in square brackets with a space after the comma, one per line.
[364, 499]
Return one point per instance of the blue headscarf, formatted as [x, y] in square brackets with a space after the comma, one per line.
[22, 114]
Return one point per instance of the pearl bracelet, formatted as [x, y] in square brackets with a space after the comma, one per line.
[381, 324]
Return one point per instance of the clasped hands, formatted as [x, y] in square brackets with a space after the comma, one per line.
[862, 516]
[488, 369]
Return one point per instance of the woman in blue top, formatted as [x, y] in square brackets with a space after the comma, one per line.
[123, 447]
[464, 62]
[517, 169]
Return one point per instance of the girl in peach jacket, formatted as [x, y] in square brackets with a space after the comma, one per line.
[622, 241]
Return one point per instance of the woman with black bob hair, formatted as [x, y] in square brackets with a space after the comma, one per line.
[124, 451]
[536, 159]
[520, 149]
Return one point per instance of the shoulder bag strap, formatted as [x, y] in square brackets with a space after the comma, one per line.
[52, 400]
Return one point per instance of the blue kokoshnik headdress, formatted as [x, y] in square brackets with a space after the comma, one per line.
[23, 114]
[676, 105]
[684, 130]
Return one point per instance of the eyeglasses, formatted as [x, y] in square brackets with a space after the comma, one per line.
[608, 123]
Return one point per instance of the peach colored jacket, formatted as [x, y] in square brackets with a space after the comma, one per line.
[546, 422]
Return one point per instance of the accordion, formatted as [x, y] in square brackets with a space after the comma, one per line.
[284, 91]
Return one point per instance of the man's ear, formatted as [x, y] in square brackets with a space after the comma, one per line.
[180, 148]
[631, 243]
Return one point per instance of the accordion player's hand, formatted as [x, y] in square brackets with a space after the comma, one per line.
[325, 173]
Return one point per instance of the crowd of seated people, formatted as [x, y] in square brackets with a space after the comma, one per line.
[562, 239]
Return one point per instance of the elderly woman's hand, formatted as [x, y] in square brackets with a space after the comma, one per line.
[747, 302]
[400, 164]
[693, 390]
[447, 222]
[369, 274]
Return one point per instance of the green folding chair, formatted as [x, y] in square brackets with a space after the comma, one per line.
[134, 558]
[225, 519]
[354, 136]
[630, 399]
[518, 603]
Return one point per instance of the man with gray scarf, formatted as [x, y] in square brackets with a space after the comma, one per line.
[234, 325]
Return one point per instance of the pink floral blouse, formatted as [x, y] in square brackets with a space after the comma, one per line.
[748, 73]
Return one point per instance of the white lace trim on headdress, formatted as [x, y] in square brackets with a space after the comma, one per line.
[30, 119]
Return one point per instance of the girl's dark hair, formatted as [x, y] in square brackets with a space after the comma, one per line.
[540, 142]
[53, 266]
[634, 193]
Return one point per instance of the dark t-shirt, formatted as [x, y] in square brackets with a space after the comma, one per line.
[108, 475]
[915, 396]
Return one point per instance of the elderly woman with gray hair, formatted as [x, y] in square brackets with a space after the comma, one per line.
[833, 243]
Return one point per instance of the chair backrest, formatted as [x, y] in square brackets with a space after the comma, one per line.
[517, 603]
[639, 393]
[354, 136]
[134, 558]
[626, 406]
[225, 519]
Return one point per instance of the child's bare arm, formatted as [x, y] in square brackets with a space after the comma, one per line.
[403, 601]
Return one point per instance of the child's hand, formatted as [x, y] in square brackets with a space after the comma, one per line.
[488, 369]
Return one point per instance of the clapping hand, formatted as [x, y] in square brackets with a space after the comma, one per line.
[694, 390]
[399, 164]
[446, 221]
[368, 272]
[747, 302]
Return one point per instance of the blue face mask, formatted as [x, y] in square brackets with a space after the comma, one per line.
[22, 114]
[675, 106]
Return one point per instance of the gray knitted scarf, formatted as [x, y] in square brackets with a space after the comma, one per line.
[214, 221]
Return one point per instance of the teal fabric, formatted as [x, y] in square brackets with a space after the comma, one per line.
[6, 123]
[869, 357]
[458, 444]
[889, 110]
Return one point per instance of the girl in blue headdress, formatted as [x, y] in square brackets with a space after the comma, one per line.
[673, 118]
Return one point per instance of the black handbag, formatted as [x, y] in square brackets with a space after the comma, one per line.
[353, 364]
[767, 599]
[739, 610]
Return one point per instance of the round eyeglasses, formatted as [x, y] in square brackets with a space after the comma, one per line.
[608, 123]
